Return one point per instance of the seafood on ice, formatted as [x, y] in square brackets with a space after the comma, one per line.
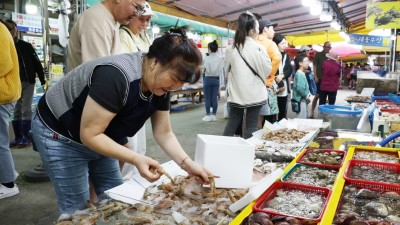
[184, 201]
[284, 135]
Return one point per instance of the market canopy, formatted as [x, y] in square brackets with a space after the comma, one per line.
[292, 17]
[318, 37]
[171, 21]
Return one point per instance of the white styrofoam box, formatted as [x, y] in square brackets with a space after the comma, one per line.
[230, 158]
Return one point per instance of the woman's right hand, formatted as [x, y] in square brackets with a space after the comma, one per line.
[144, 164]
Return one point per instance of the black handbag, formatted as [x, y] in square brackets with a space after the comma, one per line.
[295, 106]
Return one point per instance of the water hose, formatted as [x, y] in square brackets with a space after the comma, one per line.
[389, 139]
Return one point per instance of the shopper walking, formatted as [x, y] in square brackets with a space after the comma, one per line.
[96, 32]
[10, 91]
[270, 110]
[319, 59]
[249, 64]
[285, 71]
[29, 67]
[133, 38]
[213, 68]
[330, 81]
[301, 90]
[82, 123]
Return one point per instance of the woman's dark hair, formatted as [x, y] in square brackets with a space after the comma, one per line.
[278, 38]
[7, 24]
[298, 60]
[175, 51]
[213, 46]
[246, 23]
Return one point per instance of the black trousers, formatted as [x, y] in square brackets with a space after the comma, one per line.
[282, 105]
[331, 97]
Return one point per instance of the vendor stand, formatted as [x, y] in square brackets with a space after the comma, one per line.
[329, 213]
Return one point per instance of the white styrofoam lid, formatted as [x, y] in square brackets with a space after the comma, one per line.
[256, 190]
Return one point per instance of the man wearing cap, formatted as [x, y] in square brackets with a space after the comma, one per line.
[265, 36]
[133, 38]
[319, 59]
[96, 32]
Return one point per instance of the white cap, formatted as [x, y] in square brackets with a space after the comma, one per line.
[304, 48]
[148, 11]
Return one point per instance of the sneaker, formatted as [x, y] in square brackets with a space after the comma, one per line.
[6, 192]
[207, 119]
[213, 118]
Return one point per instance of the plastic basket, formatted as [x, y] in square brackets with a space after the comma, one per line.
[271, 193]
[328, 166]
[383, 102]
[394, 154]
[376, 187]
[287, 174]
[391, 110]
[375, 97]
[376, 165]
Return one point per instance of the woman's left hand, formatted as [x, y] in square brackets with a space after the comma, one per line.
[192, 168]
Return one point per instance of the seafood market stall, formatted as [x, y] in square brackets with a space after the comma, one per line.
[298, 177]
[366, 188]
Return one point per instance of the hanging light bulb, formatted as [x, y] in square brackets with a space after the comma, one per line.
[323, 16]
[31, 8]
[329, 15]
[307, 3]
[316, 8]
[334, 23]
[338, 26]
[155, 29]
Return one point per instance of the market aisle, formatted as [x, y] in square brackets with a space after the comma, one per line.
[37, 200]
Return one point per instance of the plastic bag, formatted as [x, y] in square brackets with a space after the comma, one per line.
[312, 85]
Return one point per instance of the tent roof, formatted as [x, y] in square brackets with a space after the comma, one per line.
[292, 17]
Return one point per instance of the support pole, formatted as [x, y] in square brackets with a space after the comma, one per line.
[392, 62]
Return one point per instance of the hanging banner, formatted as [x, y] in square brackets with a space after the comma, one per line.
[383, 15]
[28, 23]
[369, 40]
[53, 26]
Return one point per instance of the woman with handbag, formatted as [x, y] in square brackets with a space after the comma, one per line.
[285, 68]
[249, 65]
[301, 92]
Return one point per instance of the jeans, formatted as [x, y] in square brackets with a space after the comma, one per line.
[235, 117]
[23, 108]
[70, 165]
[6, 161]
[211, 88]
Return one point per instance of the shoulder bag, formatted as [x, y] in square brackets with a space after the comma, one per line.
[266, 92]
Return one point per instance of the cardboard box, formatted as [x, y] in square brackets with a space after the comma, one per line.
[230, 158]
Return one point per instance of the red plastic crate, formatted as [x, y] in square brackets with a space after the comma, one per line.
[376, 165]
[394, 154]
[271, 193]
[376, 187]
[379, 102]
[327, 166]
[394, 111]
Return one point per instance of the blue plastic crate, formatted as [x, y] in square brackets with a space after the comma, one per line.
[376, 97]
